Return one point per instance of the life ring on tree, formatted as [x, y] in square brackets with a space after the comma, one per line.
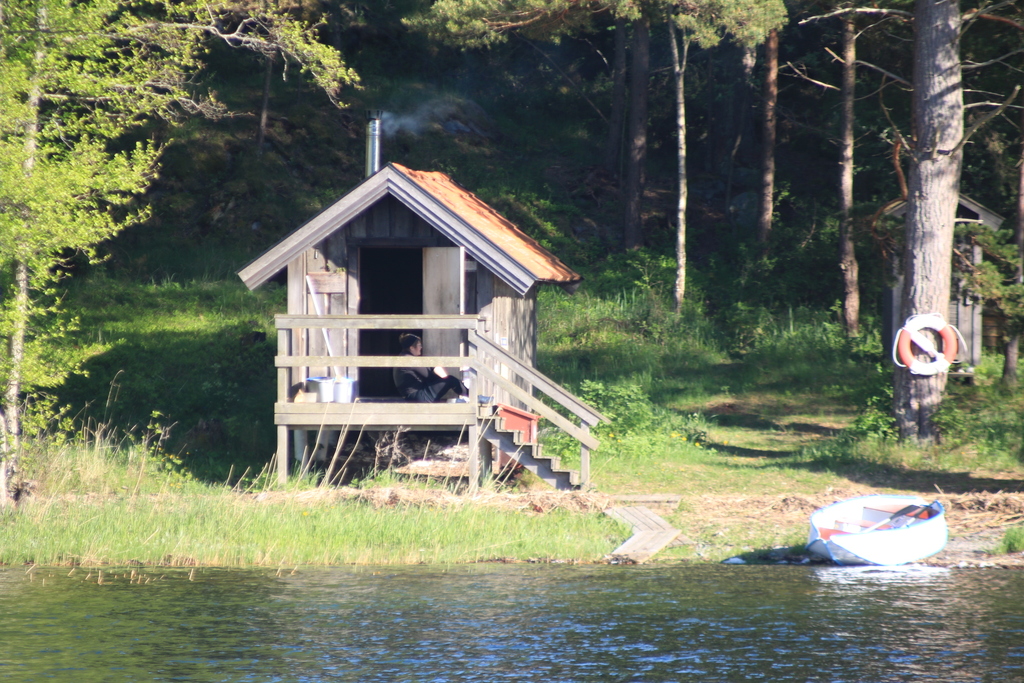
[910, 334]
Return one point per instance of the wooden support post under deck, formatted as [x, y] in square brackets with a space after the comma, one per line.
[301, 439]
[480, 457]
[282, 454]
[485, 454]
[474, 434]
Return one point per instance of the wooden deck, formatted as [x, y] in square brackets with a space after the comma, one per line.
[375, 415]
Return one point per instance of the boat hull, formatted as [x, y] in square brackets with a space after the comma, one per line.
[845, 533]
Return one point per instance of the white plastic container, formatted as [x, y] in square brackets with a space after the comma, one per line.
[324, 388]
[344, 390]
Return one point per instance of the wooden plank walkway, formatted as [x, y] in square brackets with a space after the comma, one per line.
[658, 503]
[651, 533]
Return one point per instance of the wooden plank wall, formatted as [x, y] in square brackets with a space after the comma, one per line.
[512, 324]
[512, 318]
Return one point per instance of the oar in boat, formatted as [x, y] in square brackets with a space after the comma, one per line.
[910, 510]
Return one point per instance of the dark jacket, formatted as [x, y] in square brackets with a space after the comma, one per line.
[410, 380]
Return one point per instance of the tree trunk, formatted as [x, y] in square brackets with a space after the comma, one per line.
[1010, 359]
[268, 71]
[613, 144]
[711, 141]
[679, 69]
[639, 75]
[1012, 351]
[11, 443]
[766, 203]
[741, 116]
[12, 392]
[16, 358]
[938, 115]
[847, 255]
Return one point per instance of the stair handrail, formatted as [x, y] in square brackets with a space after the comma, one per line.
[539, 380]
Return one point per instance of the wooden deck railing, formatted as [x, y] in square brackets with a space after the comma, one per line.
[482, 355]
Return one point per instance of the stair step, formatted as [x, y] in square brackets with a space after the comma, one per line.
[529, 456]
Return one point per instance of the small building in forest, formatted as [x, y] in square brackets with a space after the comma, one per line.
[966, 311]
[412, 251]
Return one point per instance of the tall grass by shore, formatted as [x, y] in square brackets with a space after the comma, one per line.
[97, 501]
[222, 528]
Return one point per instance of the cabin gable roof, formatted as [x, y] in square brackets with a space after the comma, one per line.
[458, 214]
[967, 211]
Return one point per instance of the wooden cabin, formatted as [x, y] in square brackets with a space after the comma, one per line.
[966, 311]
[412, 251]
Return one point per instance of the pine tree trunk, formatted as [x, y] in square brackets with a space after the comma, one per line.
[740, 115]
[847, 254]
[679, 69]
[613, 144]
[268, 71]
[1012, 351]
[766, 202]
[639, 76]
[933, 194]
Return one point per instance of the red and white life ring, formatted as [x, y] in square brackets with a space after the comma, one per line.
[910, 334]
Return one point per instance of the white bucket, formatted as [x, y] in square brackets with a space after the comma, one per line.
[344, 390]
[324, 388]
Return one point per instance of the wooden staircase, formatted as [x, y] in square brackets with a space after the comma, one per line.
[514, 439]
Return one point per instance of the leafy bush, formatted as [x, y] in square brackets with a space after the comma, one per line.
[627, 405]
[875, 419]
[694, 429]
[1013, 541]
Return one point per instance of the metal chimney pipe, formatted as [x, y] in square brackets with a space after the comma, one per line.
[373, 141]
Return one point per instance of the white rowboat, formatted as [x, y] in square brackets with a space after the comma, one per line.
[878, 530]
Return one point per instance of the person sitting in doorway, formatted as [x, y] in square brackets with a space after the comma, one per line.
[423, 385]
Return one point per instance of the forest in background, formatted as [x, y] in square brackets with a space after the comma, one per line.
[524, 124]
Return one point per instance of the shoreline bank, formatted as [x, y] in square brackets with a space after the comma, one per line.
[396, 526]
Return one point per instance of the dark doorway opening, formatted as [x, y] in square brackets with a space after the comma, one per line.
[390, 283]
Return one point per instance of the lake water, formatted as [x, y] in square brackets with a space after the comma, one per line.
[514, 623]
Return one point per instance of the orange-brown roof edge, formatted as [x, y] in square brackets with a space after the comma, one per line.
[505, 235]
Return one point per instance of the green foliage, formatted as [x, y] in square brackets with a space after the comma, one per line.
[796, 341]
[875, 419]
[198, 352]
[76, 81]
[996, 279]
[479, 23]
[619, 353]
[985, 419]
[1013, 541]
[694, 429]
[627, 405]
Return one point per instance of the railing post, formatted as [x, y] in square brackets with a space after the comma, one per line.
[584, 458]
[284, 383]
